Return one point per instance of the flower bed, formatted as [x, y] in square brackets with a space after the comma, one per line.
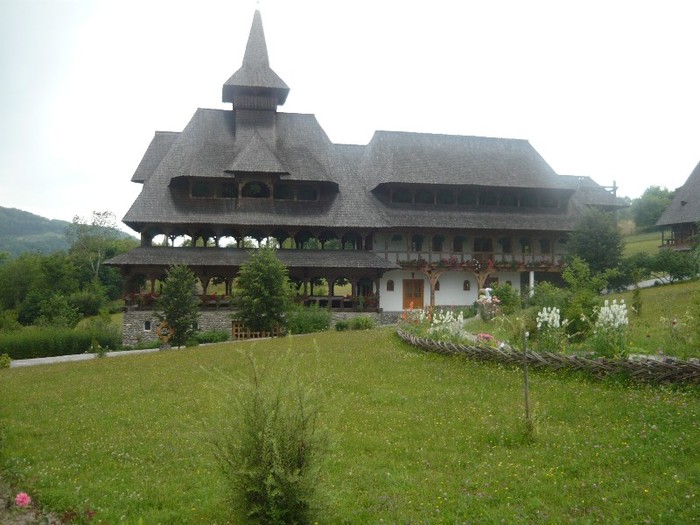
[666, 370]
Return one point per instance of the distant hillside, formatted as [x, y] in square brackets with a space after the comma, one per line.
[21, 231]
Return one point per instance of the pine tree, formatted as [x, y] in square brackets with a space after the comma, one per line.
[263, 291]
[178, 304]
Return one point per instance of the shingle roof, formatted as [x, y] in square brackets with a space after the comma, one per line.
[685, 206]
[145, 256]
[255, 72]
[422, 158]
[157, 149]
[224, 144]
[590, 193]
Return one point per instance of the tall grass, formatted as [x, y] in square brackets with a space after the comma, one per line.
[412, 437]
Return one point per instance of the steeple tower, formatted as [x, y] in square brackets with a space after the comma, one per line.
[255, 85]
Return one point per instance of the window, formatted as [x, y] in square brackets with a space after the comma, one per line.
[307, 193]
[437, 243]
[417, 243]
[509, 200]
[458, 244]
[229, 190]
[256, 190]
[401, 195]
[528, 200]
[545, 245]
[283, 192]
[202, 189]
[466, 286]
[147, 326]
[437, 286]
[549, 200]
[525, 246]
[483, 244]
[390, 285]
[506, 244]
[445, 197]
[466, 198]
[488, 198]
[424, 197]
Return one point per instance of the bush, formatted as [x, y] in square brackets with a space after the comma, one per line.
[342, 325]
[211, 336]
[508, 297]
[5, 361]
[304, 320]
[268, 456]
[49, 342]
[361, 323]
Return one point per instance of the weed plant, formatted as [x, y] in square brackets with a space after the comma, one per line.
[268, 456]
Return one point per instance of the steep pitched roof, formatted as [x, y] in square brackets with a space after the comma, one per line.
[157, 149]
[685, 206]
[256, 157]
[255, 74]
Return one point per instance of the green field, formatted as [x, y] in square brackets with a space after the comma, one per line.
[411, 437]
[642, 243]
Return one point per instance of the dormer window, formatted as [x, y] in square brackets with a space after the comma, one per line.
[256, 190]
[283, 192]
[229, 190]
[307, 193]
[202, 189]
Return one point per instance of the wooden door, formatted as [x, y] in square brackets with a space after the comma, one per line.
[413, 293]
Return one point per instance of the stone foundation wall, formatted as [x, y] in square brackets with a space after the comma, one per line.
[134, 328]
[135, 323]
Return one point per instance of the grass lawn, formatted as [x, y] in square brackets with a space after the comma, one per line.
[412, 437]
[642, 242]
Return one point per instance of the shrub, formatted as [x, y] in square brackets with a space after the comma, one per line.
[268, 456]
[361, 323]
[508, 297]
[342, 325]
[304, 320]
[5, 361]
[49, 342]
[547, 294]
[211, 336]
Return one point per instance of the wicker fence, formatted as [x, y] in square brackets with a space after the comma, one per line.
[667, 370]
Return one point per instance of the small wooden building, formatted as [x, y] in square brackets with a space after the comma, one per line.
[679, 221]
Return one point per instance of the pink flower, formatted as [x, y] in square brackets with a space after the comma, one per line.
[22, 499]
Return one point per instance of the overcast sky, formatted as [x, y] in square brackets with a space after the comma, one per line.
[607, 89]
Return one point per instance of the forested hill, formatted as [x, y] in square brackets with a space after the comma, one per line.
[21, 231]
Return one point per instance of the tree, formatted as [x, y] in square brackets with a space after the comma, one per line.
[597, 240]
[647, 209]
[674, 265]
[263, 292]
[91, 240]
[178, 304]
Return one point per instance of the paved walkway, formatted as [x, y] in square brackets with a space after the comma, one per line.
[18, 363]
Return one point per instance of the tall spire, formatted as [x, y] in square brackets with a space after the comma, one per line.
[255, 85]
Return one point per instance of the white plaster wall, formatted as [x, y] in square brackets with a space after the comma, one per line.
[451, 292]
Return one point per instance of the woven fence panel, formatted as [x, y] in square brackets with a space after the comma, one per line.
[239, 331]
[668, 370]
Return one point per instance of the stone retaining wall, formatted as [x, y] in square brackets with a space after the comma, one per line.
[134, 327]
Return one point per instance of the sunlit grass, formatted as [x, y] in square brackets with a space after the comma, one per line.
[411, 437]
[642, 243]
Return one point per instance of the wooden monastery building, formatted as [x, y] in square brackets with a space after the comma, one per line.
[408, 219]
